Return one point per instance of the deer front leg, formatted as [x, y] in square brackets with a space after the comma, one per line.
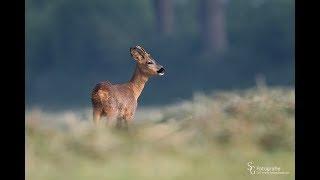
[120, 122]
[126, 124]
[111, 121]
[128, 120]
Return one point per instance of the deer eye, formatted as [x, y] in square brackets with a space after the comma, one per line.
[149, 62]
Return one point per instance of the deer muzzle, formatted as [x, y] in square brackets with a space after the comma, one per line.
[161, 71]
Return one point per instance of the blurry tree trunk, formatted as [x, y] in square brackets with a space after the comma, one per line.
[164, 16]
[212, 25]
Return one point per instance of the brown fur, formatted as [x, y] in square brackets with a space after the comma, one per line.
[118, 102]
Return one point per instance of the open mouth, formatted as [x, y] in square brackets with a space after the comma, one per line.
[161, 71]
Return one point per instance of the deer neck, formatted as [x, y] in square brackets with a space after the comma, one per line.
[138, 81]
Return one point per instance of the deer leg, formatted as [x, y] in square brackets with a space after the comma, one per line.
[111, 121]
[119, 123]
[122, 124]
[127, 119]
[96, 117]
[125, 125]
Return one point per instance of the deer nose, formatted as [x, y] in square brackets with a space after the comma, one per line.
[161, 71]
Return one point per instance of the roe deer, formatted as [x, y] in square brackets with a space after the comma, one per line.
[118, 102]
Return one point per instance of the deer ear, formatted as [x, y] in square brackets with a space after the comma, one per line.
[135, 53]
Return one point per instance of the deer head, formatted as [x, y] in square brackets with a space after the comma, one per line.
[145, 62]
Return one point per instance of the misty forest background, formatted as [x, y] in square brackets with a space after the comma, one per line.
[205, 45]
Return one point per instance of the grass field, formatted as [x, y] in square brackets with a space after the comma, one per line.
[210, 136]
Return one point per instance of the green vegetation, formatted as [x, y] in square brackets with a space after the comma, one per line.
[212, 136]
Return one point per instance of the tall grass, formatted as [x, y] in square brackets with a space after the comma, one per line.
[212, 136]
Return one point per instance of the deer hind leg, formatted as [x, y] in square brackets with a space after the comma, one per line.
[96, 117]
